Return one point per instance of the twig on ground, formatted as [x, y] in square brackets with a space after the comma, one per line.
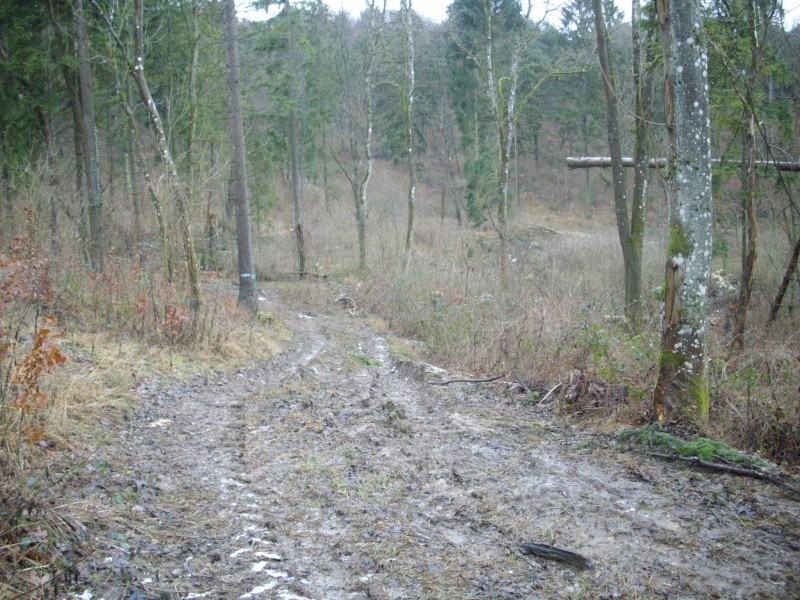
[547, 395]
[484, 380]
[734, 470]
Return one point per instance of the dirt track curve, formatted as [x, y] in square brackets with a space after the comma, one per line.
[335, 472]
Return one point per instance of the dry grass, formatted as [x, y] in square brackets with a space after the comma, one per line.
[114, 330]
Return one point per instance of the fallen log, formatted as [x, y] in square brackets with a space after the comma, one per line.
[588, 162]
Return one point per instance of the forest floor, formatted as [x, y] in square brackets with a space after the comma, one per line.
[337, 470]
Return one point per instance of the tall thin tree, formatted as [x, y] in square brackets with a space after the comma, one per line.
[408, 119]
[89, 140]
[247, 278]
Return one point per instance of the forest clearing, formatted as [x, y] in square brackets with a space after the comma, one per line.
[335, 306]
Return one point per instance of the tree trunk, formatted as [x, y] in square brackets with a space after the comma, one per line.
[69, 76]
[297, 194]
[615, 149]
[503, 138]
[247, 279]
[408, 118]
[363, 182]
[191, 120]
[89, 140]
[681, 390]
[749, 226]
[643, 90]
[785, 282]
[325, 191]
[294, 149]
[52, 181]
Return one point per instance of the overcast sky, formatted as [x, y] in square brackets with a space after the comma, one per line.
[436, 10]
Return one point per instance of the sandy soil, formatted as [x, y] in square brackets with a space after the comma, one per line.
[335, 471]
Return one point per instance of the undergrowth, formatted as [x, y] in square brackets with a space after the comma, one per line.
[74, 345]
[654, 437]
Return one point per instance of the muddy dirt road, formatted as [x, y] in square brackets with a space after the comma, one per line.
[333, 471]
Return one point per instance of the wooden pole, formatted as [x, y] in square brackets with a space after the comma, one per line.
[588, 162]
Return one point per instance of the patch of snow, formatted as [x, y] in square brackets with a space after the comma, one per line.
[287, 595]
[258, 590]
[229, 481]
[238, 552]
[269, 556]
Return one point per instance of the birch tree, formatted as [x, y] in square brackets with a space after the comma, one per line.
[408, 120]
[681, 389]
[178, 189]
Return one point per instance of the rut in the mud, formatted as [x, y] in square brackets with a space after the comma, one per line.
[329, 473]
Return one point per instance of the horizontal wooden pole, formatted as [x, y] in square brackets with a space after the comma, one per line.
[588, 162]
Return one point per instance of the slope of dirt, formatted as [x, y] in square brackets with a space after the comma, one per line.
[332, 471]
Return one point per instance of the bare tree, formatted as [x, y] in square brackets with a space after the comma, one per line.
[681, 390]
[360, 119]
[408, 119]
[247, 278]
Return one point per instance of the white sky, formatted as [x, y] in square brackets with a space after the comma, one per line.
[436, 10]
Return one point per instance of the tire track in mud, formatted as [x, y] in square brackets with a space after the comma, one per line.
[331, 471]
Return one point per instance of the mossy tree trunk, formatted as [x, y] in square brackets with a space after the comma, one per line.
[681, 391]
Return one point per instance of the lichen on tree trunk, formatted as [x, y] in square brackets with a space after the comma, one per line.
[681, 390]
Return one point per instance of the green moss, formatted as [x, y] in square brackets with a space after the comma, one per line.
[365, 361]
[678, 242]
[699, 393]
[653, 436]
[659, 293]
[671, 358]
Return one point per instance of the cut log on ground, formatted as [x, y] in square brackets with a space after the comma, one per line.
[589, 162]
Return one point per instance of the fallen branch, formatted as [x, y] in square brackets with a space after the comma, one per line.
[723, 468]
[484, 380]
[557, 554]
[547, 395]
